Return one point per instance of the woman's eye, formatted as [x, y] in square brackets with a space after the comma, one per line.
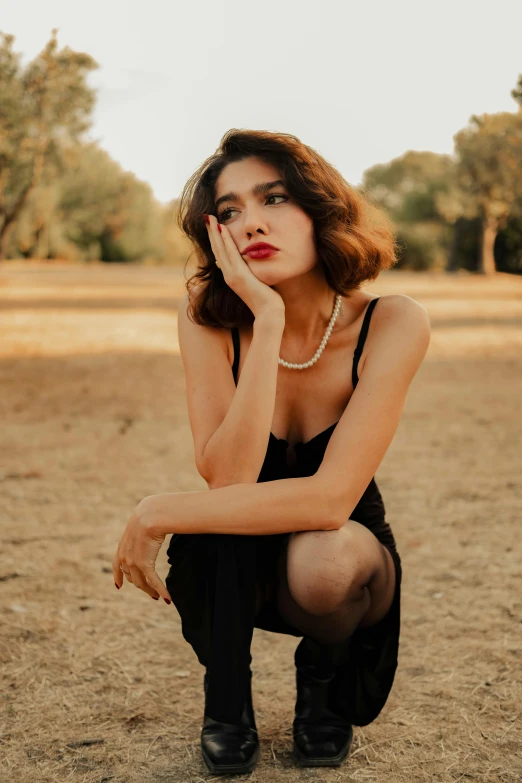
[276, 195]
[225, 214]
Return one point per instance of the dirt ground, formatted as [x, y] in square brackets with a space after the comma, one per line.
[99, 685]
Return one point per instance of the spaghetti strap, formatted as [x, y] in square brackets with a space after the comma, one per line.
[356, 354]
[235, 341]
[362, 338]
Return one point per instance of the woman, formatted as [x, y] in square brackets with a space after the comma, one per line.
[293, 537]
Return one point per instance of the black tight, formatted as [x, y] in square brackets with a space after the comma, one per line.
[324, 627]
[329, 583]
[328, 628]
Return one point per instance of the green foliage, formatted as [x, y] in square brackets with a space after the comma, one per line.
[465, 246]
[45, 108]
[487, 182]
[478, 193]
[62, 196]
[417, 250]
[508, 248]
[489, 162]
[408, 188]
[107, 211]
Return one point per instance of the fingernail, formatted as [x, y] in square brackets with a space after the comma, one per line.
[219, 228]
[155, 597]
[166, 600]
[116, 586]
[207, 220]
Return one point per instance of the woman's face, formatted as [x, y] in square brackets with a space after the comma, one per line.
[271, 216]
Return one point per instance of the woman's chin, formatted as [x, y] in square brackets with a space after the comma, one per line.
[262, 273]
[267, 275]
[268, 279]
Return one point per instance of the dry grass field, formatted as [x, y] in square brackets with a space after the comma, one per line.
[99, 686]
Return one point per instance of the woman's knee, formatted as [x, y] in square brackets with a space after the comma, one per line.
[326, 568]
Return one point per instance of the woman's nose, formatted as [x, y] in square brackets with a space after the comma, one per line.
[253, 221]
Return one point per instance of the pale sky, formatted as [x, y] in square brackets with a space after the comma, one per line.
[361, 82]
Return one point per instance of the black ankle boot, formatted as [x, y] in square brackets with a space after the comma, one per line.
[230, 748]
[322, 737]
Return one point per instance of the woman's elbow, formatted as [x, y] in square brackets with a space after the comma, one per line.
[218, 480]
[331, 504]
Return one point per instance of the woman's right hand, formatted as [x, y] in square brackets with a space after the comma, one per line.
[258, 296]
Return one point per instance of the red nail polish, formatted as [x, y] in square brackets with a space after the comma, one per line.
[219, 228]
[166, 600]
[207, 220]
[155, 597]
[117, 586]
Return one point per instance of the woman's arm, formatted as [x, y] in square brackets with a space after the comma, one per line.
[399, 342]
[280, 506]
[249, 509]
[235, 452]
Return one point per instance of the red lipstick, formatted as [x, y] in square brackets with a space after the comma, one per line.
[260, 250]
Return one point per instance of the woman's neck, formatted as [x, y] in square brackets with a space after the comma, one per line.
[309, 304]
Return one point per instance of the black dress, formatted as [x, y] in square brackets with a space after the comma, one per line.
[212, 581]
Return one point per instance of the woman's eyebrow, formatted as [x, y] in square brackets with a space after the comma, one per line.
[257, 190]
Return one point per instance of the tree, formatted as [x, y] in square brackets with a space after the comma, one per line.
[408, 188]
[488, 183]
[45, 108]
[107, 212]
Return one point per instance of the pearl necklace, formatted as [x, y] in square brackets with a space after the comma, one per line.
[317, 354]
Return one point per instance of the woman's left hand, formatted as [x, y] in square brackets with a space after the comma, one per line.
[139, 547]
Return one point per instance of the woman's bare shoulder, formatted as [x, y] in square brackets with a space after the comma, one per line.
[400, 304]
[194, 335]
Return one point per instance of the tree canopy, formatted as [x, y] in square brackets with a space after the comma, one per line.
[478, 189]
[61, 195]
[487, 183]
[45, 108]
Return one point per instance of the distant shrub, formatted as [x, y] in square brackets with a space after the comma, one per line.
[416, 252]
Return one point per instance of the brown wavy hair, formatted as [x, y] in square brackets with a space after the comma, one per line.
[354, 238]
